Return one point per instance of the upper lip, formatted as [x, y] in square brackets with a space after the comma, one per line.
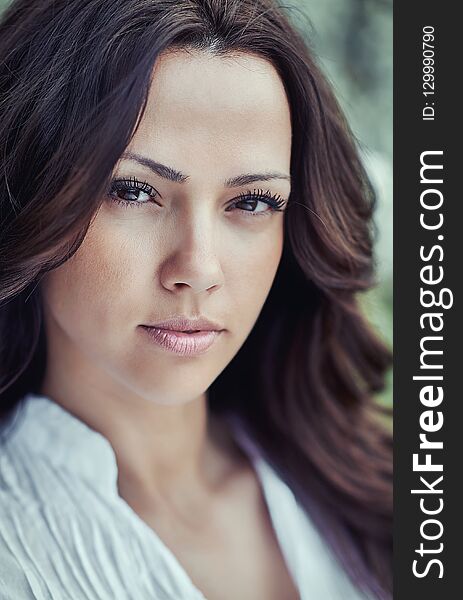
[182, 323]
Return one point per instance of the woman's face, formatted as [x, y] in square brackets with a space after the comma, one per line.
[198, 238]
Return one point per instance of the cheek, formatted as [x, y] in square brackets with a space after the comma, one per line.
[92, 291]
[252, 266]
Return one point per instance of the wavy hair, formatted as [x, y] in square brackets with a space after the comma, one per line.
[74, 81]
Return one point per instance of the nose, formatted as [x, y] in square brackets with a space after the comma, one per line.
[193, 261]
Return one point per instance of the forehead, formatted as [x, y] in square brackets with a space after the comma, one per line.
[204, 107]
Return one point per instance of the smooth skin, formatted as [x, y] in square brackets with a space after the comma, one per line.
[187, 246]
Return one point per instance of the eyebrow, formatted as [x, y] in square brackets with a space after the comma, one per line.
[174, 175]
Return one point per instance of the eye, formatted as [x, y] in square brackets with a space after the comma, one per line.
[259, 202]
[131, 192]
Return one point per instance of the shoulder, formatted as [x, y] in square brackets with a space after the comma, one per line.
[58, 537]
[14, 582]
[315, 566]
[21, 577]
[50, 552]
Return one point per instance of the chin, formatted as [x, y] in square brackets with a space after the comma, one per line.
[168, 394]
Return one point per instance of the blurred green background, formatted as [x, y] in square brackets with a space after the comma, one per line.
[353, 41]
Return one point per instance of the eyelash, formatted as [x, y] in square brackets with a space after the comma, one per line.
[274, 201]
[130, 185]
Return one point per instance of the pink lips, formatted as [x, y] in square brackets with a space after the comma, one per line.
[180, 342]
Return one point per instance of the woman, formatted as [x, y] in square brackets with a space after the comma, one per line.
[186, 379]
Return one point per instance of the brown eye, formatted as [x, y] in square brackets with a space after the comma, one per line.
[131, 192]
[130, 195]
[259, 202]
[253, 204]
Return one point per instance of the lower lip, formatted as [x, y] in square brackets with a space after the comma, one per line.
[181, 343]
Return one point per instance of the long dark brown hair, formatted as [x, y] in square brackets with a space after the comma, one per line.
[74, 80]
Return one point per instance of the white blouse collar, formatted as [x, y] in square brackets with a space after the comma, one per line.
[48, 429]
[44, 428]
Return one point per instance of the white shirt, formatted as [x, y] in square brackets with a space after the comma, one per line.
[66, 534]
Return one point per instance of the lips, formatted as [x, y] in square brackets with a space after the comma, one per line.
[184, 336]
[181, 342]
[185, 324]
